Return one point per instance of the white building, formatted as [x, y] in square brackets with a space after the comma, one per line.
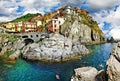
[57, 22]
[70, 10]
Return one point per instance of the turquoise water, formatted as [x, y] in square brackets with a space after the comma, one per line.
[37, 71]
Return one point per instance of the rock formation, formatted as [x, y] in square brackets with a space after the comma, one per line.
[84, 74]
[10, 46]
[113, 64]
[74, 23]
[55, 48]
[111, 74]
[75, 28]
[88, 74]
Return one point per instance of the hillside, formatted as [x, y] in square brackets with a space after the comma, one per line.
[78, 25]
[25, 17]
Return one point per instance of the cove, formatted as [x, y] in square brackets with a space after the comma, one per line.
[39, 71]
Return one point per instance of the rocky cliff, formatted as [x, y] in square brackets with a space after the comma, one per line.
[54, 49]
[113, 64]
[10, 46]
[78, 25]
[83, 29]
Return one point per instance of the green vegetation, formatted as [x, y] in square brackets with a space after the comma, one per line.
[8, 53]
[25, 17]
[11, 38]
[86, 19]
[1, 24]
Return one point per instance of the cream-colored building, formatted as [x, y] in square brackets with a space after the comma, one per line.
[57, 22]
[39, 23]
[19, 26]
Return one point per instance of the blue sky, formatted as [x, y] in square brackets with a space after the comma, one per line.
[105, 12]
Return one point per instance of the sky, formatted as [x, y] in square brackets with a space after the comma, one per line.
[105, 12]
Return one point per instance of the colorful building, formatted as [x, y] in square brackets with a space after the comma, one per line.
[9, 25]
[55, 24]
[30, 27]
[19, 26]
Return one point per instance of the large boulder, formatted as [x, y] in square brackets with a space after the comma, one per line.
[85, 74]
[88, 74]
[55, 48]
[113, 64]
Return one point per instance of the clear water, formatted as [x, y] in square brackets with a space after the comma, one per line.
[37, 71]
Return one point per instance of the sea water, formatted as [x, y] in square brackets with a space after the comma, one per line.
[39, 71]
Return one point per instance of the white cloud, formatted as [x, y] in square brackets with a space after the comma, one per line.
[112, 17]
[102, 11]
[76, 3]
[9, 7]
[97, 5]
[5, 19]
[38, 5]
[7, 10]
[115, 33]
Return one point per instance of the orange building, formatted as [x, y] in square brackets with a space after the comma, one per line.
[82, 11]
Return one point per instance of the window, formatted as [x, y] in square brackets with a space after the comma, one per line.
[31, 36]
[60, 26]
[59, 22]
[36, 35]
[25, 36]
[55, 25]
[55, 30]
[54, 21]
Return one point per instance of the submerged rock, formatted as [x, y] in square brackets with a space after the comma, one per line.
[113, 64]
[55, 48]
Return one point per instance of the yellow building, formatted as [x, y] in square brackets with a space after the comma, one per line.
[10, 25]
